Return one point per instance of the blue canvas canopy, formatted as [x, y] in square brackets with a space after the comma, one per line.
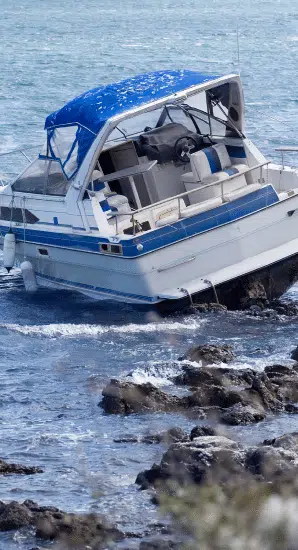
[72, 129]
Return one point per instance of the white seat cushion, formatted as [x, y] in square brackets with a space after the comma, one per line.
[201, 207]
[241, 192]
[209, 161]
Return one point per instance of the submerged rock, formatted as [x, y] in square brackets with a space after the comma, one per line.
[210, 354]
[121, 397]
[169, 436]
[9, 469]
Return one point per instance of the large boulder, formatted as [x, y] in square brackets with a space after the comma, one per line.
[71, 530]
[240, 414]
[210, 354]
[192, 375]
[121, 397]
[222, 460]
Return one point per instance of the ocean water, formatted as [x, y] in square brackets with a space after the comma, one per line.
[58, 349]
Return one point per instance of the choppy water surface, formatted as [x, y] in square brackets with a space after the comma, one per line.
[57, 350]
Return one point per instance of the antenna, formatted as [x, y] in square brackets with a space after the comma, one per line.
[238, 50]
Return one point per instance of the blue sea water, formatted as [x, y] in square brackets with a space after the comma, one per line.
[57, 350]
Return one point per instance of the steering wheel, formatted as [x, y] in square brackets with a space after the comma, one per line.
[184, 147]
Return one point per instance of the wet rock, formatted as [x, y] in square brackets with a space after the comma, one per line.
[274, 371]
[197, 376]
[51, 523]
[193, 461]
[121, 397]
[289, 309]
[253, 294]
[286, 441]
[210, 354]
[160, 545]
[221, 460]
[211, 307]
[219, 396]
[202, 431]
[242, 415]
[265, 389]
[14, 515]
[169, 436]
[270, 463]
[8, 469]
[294, 354]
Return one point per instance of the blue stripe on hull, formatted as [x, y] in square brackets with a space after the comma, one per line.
[98, 289]
[163, 236]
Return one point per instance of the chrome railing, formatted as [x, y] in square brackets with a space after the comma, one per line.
[187, 193]
[22, 151]
[286, 149]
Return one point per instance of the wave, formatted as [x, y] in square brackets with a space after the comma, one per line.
[158, 373]
[68, 330]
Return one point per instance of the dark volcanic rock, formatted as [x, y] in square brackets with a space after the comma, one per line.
[242, 415]
[222, 460]
[294, 354]
[6, 469]
[201, 431]
[218, 396]
[270, 462]
[14, 515]
[70, 529]
[210, 354]
[286, 441]
[211, 307]
[196, 376]
[121, 397]
[195, 460]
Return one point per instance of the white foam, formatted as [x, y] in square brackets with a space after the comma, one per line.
[69, 330]
[159, 374]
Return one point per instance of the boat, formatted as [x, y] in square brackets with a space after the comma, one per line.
[147, 191]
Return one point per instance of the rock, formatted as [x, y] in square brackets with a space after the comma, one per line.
[221, 460]
[160, 545]
[8, 469]
[210, 354]
[286, 441]
[209, 396]
[294, 354]
[254, 293]
[169, 436]
[274, 371]
[193, 461]
[14, 515]
[263, 386]
[211, 308]
[284, 308]
[269, 462]
[121, 397]
[197, 376]
[201, 431]
[71, 530]
[241, 415]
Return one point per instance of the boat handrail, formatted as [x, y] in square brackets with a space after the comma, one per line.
[286, 149]
[186, 193]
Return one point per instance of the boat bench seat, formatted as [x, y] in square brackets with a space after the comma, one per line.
[212, 165]
[201, 207]
[167, 213]
[241, 192]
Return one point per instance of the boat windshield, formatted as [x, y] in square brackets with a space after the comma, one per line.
[205, 113]
[42, 177]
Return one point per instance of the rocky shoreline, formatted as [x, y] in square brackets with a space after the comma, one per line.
[210, 390]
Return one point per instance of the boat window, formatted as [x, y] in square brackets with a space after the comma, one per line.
[42, 177]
